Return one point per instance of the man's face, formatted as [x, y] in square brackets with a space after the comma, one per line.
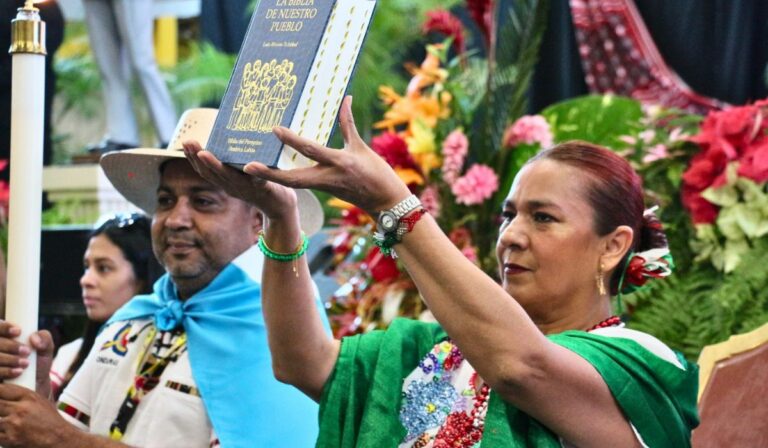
[198, 228]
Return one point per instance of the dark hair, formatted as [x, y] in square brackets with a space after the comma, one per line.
[615, 192]
[131, 234]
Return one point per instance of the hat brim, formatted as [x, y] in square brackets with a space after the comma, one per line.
[135, 173]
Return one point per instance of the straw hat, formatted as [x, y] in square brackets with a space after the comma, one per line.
[135, 173]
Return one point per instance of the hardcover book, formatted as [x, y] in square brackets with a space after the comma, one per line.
[293, 70]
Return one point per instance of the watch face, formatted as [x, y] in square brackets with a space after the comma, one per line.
[387, 222]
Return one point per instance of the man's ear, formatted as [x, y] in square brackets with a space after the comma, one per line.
[257, 222]
[616, 245]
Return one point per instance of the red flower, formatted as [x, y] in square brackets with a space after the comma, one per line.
[729, 131]
[392, 148]
[754, 164]
[346, 324]
[706, 169]
[737, 134]
[635, 271]
[354, 216]
[443, 22]
[460, 237]
[701, 210]
[481, 12]
[381, 267]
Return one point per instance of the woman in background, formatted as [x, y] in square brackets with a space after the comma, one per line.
[119, 264]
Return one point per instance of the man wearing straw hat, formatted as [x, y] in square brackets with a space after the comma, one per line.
[189, 364]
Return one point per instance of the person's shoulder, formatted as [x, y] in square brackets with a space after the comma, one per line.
[645, 340]
[64, 358]
[122, 328]
[70, 347]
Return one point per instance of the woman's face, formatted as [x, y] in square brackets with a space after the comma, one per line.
[548, 251]
[108, 280]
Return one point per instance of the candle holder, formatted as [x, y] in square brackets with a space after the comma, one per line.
[28, 31]
[27, 118]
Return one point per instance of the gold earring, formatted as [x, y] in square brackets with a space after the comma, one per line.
[600, 280]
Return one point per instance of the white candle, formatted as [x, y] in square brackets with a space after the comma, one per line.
[27, 115]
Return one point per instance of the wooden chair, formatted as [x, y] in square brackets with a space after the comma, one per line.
[733, 392]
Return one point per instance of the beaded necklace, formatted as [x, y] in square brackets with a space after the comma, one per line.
[149, 369]
[462, 430]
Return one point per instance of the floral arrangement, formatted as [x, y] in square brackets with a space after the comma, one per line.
[724, 187]
[433, 136]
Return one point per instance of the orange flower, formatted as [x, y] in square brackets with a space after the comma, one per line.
[340, 204]
[428, 74]
[409, 176]
[428, 161]
[404, 110]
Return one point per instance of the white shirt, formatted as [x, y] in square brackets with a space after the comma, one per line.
[63, 360]
[166, 417]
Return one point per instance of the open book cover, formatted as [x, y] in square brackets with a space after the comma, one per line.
[293, 70]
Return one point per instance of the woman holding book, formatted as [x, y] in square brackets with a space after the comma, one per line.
[536, 361]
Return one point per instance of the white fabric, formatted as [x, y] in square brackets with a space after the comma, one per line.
[64, 358]
[120, 33]
[165, 418]
[648, 342]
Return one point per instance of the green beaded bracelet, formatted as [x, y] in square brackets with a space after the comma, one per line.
[271, 254]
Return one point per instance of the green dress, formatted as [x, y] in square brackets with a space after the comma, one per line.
[361, 401]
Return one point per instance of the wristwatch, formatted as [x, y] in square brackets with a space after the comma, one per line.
[389, 220]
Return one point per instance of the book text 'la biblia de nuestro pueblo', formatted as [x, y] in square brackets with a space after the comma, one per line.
[293, 70]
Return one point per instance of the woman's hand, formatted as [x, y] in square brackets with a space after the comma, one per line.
[355, 174]
[274, 200]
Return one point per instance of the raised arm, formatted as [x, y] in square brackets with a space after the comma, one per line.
[495, 334]
[302, 352]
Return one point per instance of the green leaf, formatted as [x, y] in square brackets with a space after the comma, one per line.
[728, 222]
[724, 196]
[749, 219]
[510, 69]
[752, 192]
[595, 118]
[732, 253]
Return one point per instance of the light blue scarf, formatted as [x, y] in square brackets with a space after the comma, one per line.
[231, 364]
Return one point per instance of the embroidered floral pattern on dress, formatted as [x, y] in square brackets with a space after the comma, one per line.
[440, 405]
[444, 405]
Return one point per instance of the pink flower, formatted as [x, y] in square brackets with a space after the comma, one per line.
[656, 152]
[430, 199]
[528, 129]
[647, 136]
[462, 239]
[628, 140]
[455, 149]
[476, 186]
[470, 252]
[676, 135]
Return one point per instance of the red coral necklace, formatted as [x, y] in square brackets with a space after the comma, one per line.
[462, 430]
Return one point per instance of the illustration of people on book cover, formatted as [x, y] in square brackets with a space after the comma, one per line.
[265, 92]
